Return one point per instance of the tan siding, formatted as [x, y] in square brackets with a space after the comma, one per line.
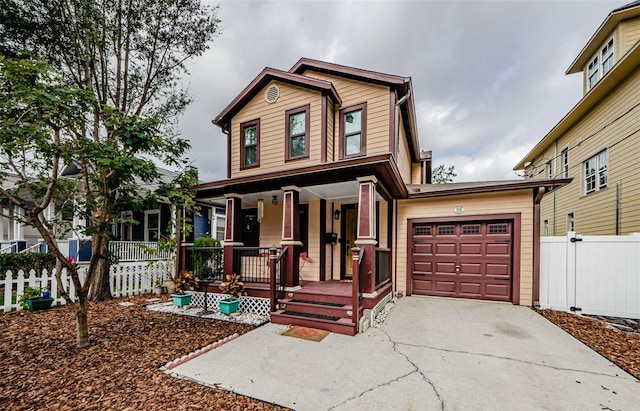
[330, 131]
[272, 129]
[476, 205]
[404, 159]
[416, 173]
[629, 35]
[595, 213]
[310, 271]
[354, 92]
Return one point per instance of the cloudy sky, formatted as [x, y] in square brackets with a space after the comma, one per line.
[488, 76]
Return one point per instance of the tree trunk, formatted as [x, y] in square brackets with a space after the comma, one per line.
[82, 327]
[101, 286]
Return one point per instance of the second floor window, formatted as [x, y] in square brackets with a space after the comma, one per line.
[250, 147]
[593, 75]
[353, 130]
[564, 156]
[595, 172]
[607, 57]
[297, 132]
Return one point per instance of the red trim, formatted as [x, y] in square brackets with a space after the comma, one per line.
[244, 125]
[228, 230]
[323, 129]
[287, 231]
[363, 130]
[515, 250]
[229, 154]
[364, 208]
[287, 131]
[350, 72]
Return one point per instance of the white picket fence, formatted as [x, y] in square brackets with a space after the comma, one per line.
[591, 274]
[126, 279]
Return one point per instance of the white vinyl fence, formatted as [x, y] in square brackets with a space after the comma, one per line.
[591, 274]
[126, 279]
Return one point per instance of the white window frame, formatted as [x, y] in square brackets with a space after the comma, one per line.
[595, 172]
[593, 72]
[571, 221]
[549, 169]
[607, 56]
[147, 237]
[564, 158]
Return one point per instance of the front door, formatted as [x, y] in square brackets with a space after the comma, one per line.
[349, 228]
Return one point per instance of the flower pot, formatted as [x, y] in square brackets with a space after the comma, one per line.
[170, 286]
[158, 289]
[229, 305]
[180, 300]
[36, 304]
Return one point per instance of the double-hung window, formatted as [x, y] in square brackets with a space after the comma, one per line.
[297, 133]
[353, 130]
[595, 172]
[564, 157]
[607, 57]
[250, 144]
[593, 73]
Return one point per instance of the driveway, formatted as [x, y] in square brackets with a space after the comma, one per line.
[430, 354]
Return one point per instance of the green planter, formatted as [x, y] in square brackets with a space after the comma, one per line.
[36, 304]
[180, 300]
[229, 305]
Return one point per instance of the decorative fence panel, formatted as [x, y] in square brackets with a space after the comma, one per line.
[138, 251]
[591, 274]
[126, 279]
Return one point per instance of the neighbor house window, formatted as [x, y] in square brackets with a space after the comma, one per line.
[607, 57]
[549, 169]
[545, 228]
[593, 74]
[151, 225]
[595, 172]
[297, 133]
[564, 157]
[250, 144]
[353, 130]
[571, 222]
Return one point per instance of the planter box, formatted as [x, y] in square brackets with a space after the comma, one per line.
[229, 305]
[39, 303]
[180, 300]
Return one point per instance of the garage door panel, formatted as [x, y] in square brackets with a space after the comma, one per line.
[469, 260]
[471, 249]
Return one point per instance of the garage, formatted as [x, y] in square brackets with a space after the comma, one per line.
[464, 258]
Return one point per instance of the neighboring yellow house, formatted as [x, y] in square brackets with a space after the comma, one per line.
[326, 179]
[597, 143]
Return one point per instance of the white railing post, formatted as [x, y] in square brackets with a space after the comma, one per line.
[8, 291]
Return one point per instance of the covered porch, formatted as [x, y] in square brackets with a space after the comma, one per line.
[320, 251]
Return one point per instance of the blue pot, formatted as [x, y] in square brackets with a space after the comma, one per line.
[180, 300]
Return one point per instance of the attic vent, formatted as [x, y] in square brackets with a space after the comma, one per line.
[272, 94]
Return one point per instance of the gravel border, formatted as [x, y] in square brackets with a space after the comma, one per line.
[212, 314]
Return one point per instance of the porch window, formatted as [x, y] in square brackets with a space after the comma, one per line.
[297, 133]
[151, 225]
[250, 144]
[595, 172]
[353, 130]
[250, 228]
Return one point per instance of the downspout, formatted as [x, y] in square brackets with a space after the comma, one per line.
[395, 247]
[333, 245]
[536, 246]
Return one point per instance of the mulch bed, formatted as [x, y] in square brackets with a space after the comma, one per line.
[42, 368]
[620, 347]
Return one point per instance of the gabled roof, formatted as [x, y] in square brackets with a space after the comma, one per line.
[620, 70]
[402, 86]
[602, 33]
[268, 74]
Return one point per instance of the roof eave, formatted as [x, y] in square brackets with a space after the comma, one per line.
[490, 188]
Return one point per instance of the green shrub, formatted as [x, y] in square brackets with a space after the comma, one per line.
[207, 263]
[26, 262]
[206, 242]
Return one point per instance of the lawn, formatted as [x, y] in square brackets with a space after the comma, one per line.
[43, 369]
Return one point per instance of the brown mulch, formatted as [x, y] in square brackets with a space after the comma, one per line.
[42, 368]
[620, 347]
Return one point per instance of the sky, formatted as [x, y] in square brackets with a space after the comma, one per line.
[488, 76]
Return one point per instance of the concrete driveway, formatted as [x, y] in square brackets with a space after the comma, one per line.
[430, 354]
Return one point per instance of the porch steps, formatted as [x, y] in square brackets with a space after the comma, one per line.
[328, 312]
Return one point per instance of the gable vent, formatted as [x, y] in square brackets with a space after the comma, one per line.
[272, 94]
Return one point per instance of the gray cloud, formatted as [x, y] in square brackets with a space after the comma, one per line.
[488, 76]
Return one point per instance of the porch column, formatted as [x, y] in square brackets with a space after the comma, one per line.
[291, 236]
[366, 233]
[232, 232]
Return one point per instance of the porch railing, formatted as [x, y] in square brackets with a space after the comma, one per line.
[383, 266]
[138, 251]
[205, 262]
[35, 248]
[252, 263]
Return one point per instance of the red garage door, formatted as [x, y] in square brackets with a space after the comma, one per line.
[469, 259]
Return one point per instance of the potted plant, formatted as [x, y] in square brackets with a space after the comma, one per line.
[185, 282]
[158, 288]
[32, 298]
[234, 288]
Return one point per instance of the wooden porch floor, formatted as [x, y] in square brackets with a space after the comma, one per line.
[331, 287]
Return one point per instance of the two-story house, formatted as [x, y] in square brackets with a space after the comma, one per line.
[330, 211]
[597, 143]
